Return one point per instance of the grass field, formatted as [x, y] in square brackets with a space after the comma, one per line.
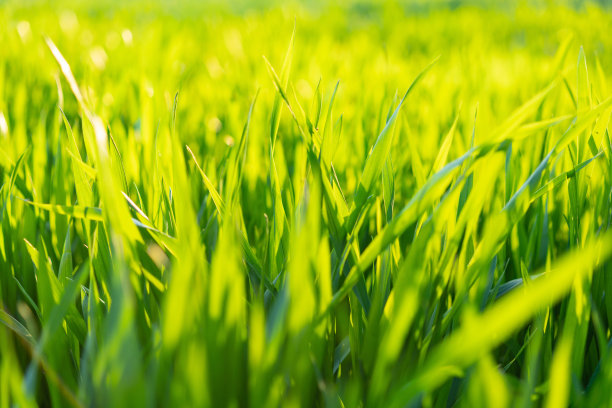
[397, 206]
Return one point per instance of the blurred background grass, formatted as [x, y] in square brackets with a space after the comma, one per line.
[492, 55]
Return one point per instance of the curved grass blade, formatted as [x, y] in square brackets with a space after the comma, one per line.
[376, 159]
[484, 332]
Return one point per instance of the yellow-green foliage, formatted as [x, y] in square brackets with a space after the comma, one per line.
[381, 205]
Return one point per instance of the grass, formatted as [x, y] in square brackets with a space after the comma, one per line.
[396, 206]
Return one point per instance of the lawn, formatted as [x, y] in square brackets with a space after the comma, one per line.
[367, 204]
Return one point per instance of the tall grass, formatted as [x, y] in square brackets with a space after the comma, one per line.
[387, 209]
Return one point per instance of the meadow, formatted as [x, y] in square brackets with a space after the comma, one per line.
[394, 204]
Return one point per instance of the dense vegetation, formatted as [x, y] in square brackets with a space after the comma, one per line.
[396, 206]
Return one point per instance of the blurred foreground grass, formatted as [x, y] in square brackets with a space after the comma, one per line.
[394, 207]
